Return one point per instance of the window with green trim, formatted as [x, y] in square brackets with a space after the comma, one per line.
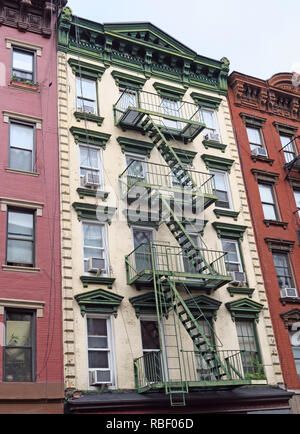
[222, 189]
[171, 107]
[233, 260]
[203, 372]
[151, 349]
[91, 170]
[128, 98]
[86, 94]
[248, 345]
[95, 249]
[211, 131]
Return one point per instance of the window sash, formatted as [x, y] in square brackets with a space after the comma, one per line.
[86, 91]
[289, 150]
[90, 250]
[18, 151]
[268, 201]
[255, 138]
[231, 264]
[105, 361]
[297, 199]
[95, 163]
[248, 345]
[18, 71]
[210, 120]
[221, 187]
[283, 272]
[19, 241]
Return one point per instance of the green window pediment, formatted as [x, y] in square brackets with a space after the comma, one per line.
[100, 213]
[206, 101]
[142, 218]
[219, 163]
[166, 91]
[135, 146]
[99, 301]
[186, 157]
[128, 81]
[208, 306]
[87, 70]
[89, 137]
[227, 230]
[145, 304]
[244, 309]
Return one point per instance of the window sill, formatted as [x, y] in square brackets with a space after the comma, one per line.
[20, 269]
[289, 300]
[233, 290]
[212, 144]
[24, 86]
[275, 223]
[92, 193]
[262, 159]
[97, 280]
[81, 116]
[226, 213]
[22, 172]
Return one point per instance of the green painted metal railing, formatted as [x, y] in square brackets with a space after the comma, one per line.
[160, 176]
[149, 369]
[172, 260]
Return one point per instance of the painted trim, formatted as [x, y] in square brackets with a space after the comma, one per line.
[7, 116]
[95, 280]
[99, 301]
[85, 69]
[133, 146]
[206, 101]
[82, 116]
[215, 145]
[226, 230]
[233, 290]
[88, 137]
[102, 214]
[128, 81]
[219, 163]
[226, 213]
[167, 91]
[244, 309]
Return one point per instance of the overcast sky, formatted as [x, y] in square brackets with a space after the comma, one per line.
[259, 37]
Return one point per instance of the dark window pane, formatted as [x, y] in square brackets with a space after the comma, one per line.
[150, 335]
[18, 365]
[98, 360]
[19, 252]
[97, 342]
[20, 160]
[97, 327]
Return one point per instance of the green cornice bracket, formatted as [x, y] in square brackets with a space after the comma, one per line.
[64, 28]
[208, 306]
[85, 69]
[166, 91]
[226, 230]
[99, 301]
[82, 116]
[223, 76]
[107, 51]
[90, 137]
[213, 162]
[226, 213]
[206, 101]
[186, 157]
[215, 145]
[233, 290]
[135, 146]
[99, 213]
[83, 192]
[128, 81]
[244, 309]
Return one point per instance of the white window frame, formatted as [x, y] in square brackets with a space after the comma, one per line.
[100, 164]
[227, 188]
[138, 157]
[275, 203]
[240, 263]
[85, 99]
[215, 128]
[287, 148]
[291, 275]
[297, 200]
[106, 273]
[111, 350]
[262, 141]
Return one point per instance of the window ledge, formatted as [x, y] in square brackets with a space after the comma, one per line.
[226, 213]
[240, 290]
[81, 116]
[212, 144]
[21, 172]
[92, 193]
[262, 159]
[289, 300]
[275, 223]
[24, 86]
[97, 280]
[20, 269]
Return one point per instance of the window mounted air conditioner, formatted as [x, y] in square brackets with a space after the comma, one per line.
[88, 109]
[288, 292]
[100, 377]
[91, 180]
[260, 151]
[95, 265]
[238, 278]
[215, 137]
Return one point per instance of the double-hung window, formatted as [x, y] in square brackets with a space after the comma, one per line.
[283, 270]
[297, 199]
[171, 107]
[19, 350]
[211, 131]
[128, 98]
[256, 140]
[100, 358]
[91, 174]
[295, 342]
[248, 344]
[23, 64]
[222, 189]
[20, 238]
[268, 201]
[137, 169]
[233, 260]
[22, 146]
[288, 146]
[86, 95]
[94, 247]
[151, 350]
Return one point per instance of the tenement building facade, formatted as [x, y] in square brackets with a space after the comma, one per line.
[164, 304]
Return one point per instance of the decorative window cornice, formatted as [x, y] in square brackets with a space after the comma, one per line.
[293, 181]
[82, 116]
[208, 306]
[23, 304]
[215, 145]
[145, 304]
[213, 162]
[83, 192]
[99, 301]
[290, 317]
[97, 280]
[7, 202]
[233, 290]
[166, 91]
[244, 309]
[265, 176]
[128, 81]
[135, 146]
[85, 69]
[206, 101]
[226, 213]
[102, 214]
[226, 230]
[252, 120]
[285, 129]
[89, 137]
[143, 218]
[280, 244]
[7, 116]
[186, 157]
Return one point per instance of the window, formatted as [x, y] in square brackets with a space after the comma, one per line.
[249, 347]
[203, 371]
[172, 108]
[21, 147]
[288, 147]
[295, 342]
[20, 238]
[100, 361]
[297, 199]
[94, 246]
[283, 270]
[90, 166]
[128, 98]
[189, 260]
[268, 202]
[151, 350]
[222, 189]
[210, 120]
[141, 241]
[233, 260]
[86, 95]
[23, 64]
[175, 181]
[19, 351]
[137, 169]
[255, 138]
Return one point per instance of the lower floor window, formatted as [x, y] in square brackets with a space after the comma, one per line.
[19, 350]
[249, 348]
[295, 342]
[153, 371]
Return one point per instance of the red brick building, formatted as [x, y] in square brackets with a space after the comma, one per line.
[266, 120]
[31, 361]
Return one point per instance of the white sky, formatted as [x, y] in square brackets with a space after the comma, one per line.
[259, 37]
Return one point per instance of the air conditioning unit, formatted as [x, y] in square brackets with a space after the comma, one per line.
[100, 377]
[95, 265]
[215, 137]
[260, 151]
[88, 109]
[288, 292]
[238, 278]
[91, 180]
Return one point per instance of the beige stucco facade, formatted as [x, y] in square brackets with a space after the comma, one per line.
[126, 343]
